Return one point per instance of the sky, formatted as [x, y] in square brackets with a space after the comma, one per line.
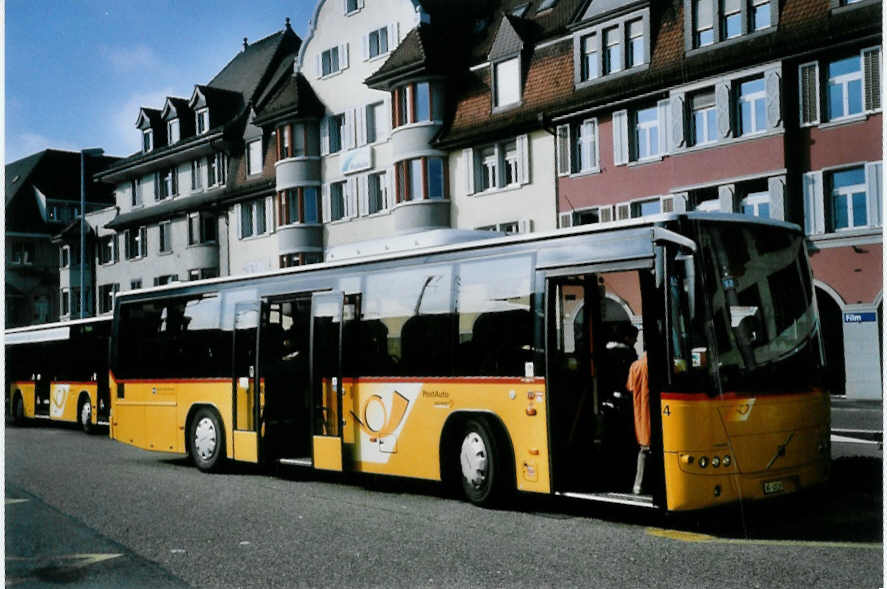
[77, 71]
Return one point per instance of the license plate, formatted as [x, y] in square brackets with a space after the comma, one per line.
[771, 487]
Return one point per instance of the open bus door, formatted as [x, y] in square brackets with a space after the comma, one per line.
[326, 379]
[247, 395]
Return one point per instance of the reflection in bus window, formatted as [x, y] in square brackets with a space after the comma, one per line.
[411, 311]
[495, 322]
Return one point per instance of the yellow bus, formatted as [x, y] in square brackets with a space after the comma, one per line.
[59, 372]
[499, 363]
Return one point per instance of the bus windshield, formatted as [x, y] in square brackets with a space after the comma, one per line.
[756, 282]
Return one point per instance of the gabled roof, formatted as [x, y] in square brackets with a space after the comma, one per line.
[222, 104]
[175, 107]
[508, 41]
[416, 54]
[291, 97]
[148, 117]
[247, 73]
[596, 9]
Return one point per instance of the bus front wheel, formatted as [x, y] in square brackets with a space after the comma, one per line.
[206, 440]
[480, 462]
[85, 413]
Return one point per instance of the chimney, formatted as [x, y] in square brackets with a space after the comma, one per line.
[288, 27]
[245, 44]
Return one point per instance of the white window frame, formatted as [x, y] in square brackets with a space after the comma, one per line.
[112, 239]
[753, 9]
[342, 198]
[706, 112]
[726, 15]
[255, 213]
[699, 30]
[147, 140]
[164, 234]
[64, 302]
[380, 179]
[379, 51]
[755, 200]
[634, 58]
[751, 99]
[506, 83]
[201, 118]
[844, 81]
[254, 159]
[646, 128]
[591, 57]
[173, 131]
[611, 45]
[489, 161]
[584, 147]
[848, 192]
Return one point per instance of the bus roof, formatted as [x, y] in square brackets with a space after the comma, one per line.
[449, 240]
[48, 332]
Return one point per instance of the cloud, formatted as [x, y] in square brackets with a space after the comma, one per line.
[128, 59]
[25, 144]
[123, 138]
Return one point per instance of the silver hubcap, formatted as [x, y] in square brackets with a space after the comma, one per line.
[474, 460]
[205, 438]
[85, 413]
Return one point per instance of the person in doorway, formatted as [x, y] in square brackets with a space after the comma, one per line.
[638, 384]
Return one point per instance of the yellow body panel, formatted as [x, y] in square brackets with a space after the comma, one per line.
[26, 388]
[779, 439]
[395, 427]
[63, 399]
[246, 446]
[327, 453]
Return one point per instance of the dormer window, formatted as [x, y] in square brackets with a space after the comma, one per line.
[616, 46]
[760, 15]
[202, 121]
[716, 21]
[506, 76]
[172, 131]
[352, 6]
[147, 140]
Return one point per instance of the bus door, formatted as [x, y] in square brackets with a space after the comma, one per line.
[42, 381]
[326, 379]
[594, 335]
[247, 396]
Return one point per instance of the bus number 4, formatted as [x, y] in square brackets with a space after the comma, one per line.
[666, 411]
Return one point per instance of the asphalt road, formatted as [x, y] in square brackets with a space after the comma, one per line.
[70, 495]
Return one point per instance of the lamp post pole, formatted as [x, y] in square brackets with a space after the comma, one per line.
[95, 152]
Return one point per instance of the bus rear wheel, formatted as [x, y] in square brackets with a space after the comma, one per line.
[480, 462]
[206, 440]
[85, 414]
[18, 409]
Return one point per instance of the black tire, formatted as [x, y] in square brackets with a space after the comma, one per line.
[206, 440]
[482, 463]
[84, 413]
[18, 409]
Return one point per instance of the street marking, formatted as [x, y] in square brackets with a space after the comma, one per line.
[71, 562]
[845, 439]
[14, 501]
[705, 538]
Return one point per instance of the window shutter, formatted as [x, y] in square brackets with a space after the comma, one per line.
[368, 125]
[351, 197]
[565, 219]
[605, 214]
[873, 192]
[678, 122]
[726, 200]
[623, 211]
[363, 202]
[525, 226]
[871, 67]
[393, 35]
[385, 125]
[365, 46]
[814, 206]
[325, 202]
[774, 101]
[808, 99]
[270, 221]
[620, 137]
[589, 145]
[722, 106]
[324, 136]
[343, 56]
[523, 158]
[348, 130]
[662, 114]
[776, 189]
[115, 246]
[389, 194]
[468, 159]
[143, 241]
[360, 3]
[564, 152]
[318, 65]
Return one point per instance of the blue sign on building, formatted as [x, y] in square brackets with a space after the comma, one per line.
[859, 317]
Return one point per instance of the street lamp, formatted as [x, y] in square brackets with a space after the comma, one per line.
[94, 152]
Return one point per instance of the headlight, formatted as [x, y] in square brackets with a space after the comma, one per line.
[715, 461]
[727, 460]
[703, 461]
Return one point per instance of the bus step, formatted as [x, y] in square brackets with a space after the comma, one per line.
[103, 423]
[623, 498]
[41, 416]
[296, 461]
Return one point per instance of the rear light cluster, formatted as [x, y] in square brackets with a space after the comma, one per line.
[704, 461]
